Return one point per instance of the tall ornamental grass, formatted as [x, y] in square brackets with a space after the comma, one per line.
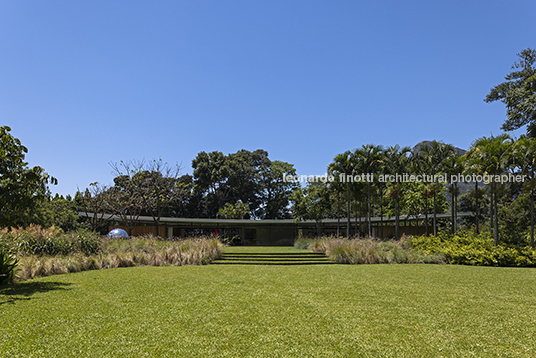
[36, 240]
[369, 251]
[36, 252]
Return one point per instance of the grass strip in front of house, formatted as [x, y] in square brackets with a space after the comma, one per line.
[273, 311]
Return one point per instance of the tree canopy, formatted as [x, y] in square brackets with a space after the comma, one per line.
[21, 187]
[518, 93]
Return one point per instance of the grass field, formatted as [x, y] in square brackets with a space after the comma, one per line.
[273, 311]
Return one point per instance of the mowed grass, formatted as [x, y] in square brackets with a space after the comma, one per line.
[273, 311]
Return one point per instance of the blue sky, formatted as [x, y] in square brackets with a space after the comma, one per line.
[87, 83]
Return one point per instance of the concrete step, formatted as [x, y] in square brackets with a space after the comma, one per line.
[273, 259]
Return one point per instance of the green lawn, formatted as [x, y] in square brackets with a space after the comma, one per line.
[273, 311]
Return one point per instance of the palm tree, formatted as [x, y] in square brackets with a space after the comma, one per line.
[494, 157]
[524, 153]
[343, 164]
[431, 158]
[368, 159]
[396, 160]
[453, 166]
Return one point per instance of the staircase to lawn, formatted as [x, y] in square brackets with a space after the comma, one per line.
[270, 255]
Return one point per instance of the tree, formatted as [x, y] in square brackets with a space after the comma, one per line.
[152, 186]
[222, 179]
[93, 203]
[59, 212]
[368, 158]
[453, 165]
[275, 192]
[236, 211]
[493, 156]
[313, 202]
[21, 187]
[518, 93]
[342, 167]
[397, 162]
[525, 157]
[431, 159]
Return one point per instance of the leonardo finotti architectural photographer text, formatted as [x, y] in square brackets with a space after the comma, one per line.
[407, 178]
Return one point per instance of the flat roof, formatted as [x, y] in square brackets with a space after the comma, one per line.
[171, 220]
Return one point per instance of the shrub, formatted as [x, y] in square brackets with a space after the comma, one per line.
[469, 248]
[8, 266]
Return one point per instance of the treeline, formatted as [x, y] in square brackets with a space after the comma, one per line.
[503, 207]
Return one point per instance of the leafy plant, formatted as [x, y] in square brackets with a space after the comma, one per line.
[8, 266]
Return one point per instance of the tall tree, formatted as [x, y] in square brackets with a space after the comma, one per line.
[313, 202]
[275, 192]
[518, 93]
[21, 188]
[431, 158]
[368, 160]
[453, 166]
[222, 179]
[397, 162]
[342, 167]
[525, 157]
[154, 184]
[495, 156]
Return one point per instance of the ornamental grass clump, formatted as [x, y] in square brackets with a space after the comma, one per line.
[45, 252]
[372, 251]
[35, 240]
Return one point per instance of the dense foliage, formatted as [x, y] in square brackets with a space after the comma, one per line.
[21, 188]
[35, 252]
[469, 248]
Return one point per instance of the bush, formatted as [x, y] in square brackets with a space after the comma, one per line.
[469, 248]
[8, 266]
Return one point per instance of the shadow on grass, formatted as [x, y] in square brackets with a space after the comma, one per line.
[24, 290]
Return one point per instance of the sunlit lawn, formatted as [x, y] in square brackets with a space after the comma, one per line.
[273, 311]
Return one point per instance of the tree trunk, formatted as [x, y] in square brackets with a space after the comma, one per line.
[368, 209]
[435, 216]
[452, 210]
[348, 210]
[532, 220]
[491, 212]
[426, 214]
[381, 219]
[338, 214]
[356, 230]
[477, 209]
[397, 221]
[496, 229]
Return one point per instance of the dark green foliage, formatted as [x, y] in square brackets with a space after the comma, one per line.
[248, 177]
[518, 93]
[21, 187]
[8, 265]
[468, 248]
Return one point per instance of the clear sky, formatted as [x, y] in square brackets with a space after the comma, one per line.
[86, 83]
